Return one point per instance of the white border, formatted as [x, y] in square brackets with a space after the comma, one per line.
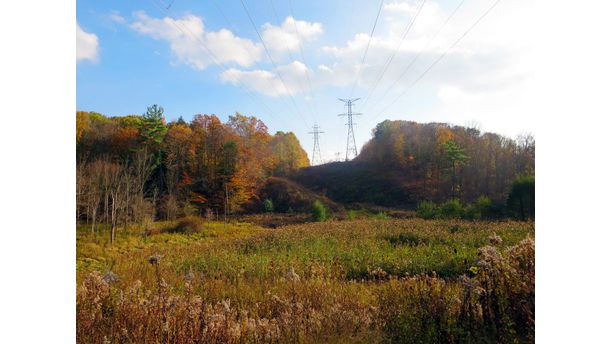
[37, 241]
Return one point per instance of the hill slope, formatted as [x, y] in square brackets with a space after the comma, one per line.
[406, 162]
[359, 182]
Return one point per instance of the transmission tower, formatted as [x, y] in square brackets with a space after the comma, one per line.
[316, 150]
[351, 146]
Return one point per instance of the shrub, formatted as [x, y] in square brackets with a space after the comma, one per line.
[427, 210]
[484, 206]
[521, 200]
[381, 216]
[319, 212]
[187, 225]
[451, 209]
[351, 214]
[189, 209]
[472, 212]
[268, 206]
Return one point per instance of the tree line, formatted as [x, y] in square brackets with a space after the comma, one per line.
[451, 162]
[136, 168]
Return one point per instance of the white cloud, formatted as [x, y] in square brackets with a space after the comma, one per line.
[267, 82]
[87, 47]
[492, 56]
[188, 38]
[286, 38]
[117, 18]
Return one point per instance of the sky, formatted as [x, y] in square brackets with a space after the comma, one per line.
[292, 59]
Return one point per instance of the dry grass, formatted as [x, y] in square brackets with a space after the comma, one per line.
[348, 281]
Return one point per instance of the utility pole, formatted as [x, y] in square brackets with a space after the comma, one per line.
[316, 150]
[351, 146]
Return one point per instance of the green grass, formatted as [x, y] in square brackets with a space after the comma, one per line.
[343, 249]
[340, 264]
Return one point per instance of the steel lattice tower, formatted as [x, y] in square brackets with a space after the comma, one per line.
[316, 150]
[351, 146]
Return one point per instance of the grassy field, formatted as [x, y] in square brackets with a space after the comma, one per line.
[364, 280]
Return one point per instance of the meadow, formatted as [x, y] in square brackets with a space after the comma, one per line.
[367, 280]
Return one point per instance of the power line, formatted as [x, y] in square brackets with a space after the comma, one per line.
[416, 57]
[390, 59]
[216, 60]
[365, 53]
[230, 24]
[297, 32]
[280, 24]
[435, 62]
[271, 60]
[316, 150]
[351, 146]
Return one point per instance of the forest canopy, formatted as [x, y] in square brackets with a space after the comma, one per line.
[451, 161]
[135, 167]
[405, 163]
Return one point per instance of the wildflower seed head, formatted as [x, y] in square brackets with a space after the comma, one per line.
[466, 282]
[495, 240]
[489, 256]
[378, 274]
[189, 276]
[226, 305]
[110, 277]
[292, 276]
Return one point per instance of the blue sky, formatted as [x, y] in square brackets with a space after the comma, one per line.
[131, 54]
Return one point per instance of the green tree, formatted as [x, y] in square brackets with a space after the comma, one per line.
[521, 200]
[451, 209]
[456, 157]
[319, 212]
[153, 130]
[427, 210]
[153, 127]
[268, 206]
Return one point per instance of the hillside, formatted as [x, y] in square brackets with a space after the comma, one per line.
[406, 162]
[167, 170]
[289, 196]
[359, 182]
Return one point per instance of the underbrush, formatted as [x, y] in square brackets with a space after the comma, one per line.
[482, 208]
[496, 305]
[343, 281]
[187, 225]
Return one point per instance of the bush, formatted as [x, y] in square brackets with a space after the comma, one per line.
[319, 212]
[451, 209]
[472, 212]
[381, 216]
[521, 200]
[268, 206]
[427, 210]
[484, 206]
[187, 225]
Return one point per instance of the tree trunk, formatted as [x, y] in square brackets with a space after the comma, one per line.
[93, 220]
[113, 216]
